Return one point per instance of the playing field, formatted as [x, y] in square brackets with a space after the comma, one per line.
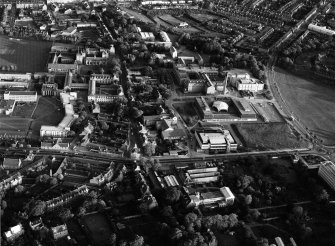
[27, 56]
[311, 102]
[13, 125]
[49, 111]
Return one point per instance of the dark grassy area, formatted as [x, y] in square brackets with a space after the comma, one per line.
[14, 125]
[27, 56]
[98, 227]
[268, 136]
[49, 111]
[187, 112]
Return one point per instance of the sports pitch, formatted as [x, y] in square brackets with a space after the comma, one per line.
[26, 55]
[312, 103]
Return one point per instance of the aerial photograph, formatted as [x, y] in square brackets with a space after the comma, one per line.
[167, 122]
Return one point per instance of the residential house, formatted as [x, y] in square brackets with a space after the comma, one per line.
[59, 231]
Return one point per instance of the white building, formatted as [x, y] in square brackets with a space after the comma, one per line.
[222, 197]
[216, 141]
[21, 96]
[321, 29]
[14, 232]
[8, 80]
[248, 85]
[327, 173]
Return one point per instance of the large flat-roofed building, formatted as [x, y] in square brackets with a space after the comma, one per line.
[21, 96]
[62, 62]
[222, 197]
[195, 82]
[234, 110]
[102, 90]
[215, 141]
[202, 175]
[327, 173]
[8, 80]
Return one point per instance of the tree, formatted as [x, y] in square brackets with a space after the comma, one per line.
[112, 240]
[147, 71]
[53, 181]
[248, 199]
[37, 208]
[172, 194]
[19, 189]
[65, 214]
[323, 196]
[150, 149]
[44, 178]
[190, 218]
[104, 125]
[137, 241]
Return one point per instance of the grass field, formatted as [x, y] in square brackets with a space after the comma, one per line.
[98, 227]
[138, 15]
[27, 56]
[268, 136]
[311, 102]
[49, 111]
[24, 110]
[169, 21]
[14, 125]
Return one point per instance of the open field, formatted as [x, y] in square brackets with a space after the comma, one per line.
[137, 15]
[169, 21]
[268, 136]
[27, 56]
[98, 227]
[49, 111]
[24, 110]
[13, 125]
[312, 103]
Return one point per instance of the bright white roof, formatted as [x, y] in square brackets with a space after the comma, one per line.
[213, 138]
[219, 105]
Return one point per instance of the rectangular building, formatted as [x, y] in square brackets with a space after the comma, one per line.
[21, 96]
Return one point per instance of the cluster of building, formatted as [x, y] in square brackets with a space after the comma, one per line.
[65, 198]
[219, 111]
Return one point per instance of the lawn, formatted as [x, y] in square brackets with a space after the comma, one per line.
[311, 102]
[14, 125]
[268, 136]
[27, 56]
[49, 111]
[98, 227]
[24, 110]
